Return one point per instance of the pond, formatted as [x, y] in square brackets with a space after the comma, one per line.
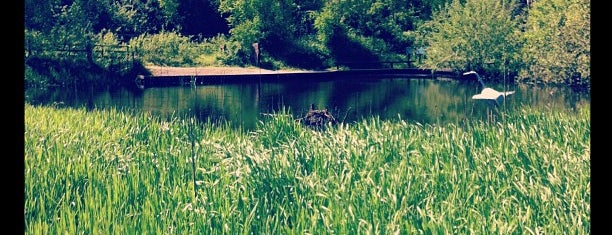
[244, 104]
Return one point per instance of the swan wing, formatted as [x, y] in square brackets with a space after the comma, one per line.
[488, 94]
[480, 97]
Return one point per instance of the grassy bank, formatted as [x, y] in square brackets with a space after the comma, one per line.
[112, 172]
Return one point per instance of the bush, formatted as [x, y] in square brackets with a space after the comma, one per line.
[224, 50]
[167, 48]
[475, 35]
[557, 42]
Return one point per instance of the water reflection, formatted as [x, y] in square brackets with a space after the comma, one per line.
[420, 100]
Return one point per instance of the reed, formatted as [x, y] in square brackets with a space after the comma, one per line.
[119, 172]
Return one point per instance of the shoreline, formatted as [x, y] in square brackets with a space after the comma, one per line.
[157, 70]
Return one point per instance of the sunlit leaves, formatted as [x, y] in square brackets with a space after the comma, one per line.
[557, 46]
[471, 35]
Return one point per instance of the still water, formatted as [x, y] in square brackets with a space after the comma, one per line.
[411, 99]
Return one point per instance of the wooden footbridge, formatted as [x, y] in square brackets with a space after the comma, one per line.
[195, 77]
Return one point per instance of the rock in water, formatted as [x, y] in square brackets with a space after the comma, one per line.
[317, 119]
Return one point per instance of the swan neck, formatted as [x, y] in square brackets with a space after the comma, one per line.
[481, 82]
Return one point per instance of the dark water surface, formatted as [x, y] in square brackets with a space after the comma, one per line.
[412, 99]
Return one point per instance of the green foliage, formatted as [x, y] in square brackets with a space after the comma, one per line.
[557, 42]
[247, 24]
[72, 27]
[38, 15]
[89, 60]
[373, 27]
[326, 22]
[279, 28]
[174, 49]
[126, 20]
[110, 51]
[375, 30]
[476, 35]
[133, 18]
[547, 40]
[34, 79]
[169, 11]
[246, 34]
[34, 42]
[308, 52]
[226, 50]
[167, 48]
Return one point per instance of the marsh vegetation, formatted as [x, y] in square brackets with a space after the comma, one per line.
[113, 171]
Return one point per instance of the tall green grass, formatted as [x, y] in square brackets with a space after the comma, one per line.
[114, 172]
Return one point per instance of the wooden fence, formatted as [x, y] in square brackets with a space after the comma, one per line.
[100, 54]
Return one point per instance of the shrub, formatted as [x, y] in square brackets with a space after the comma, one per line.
[167, 48]
[557, 42]
[476, 35]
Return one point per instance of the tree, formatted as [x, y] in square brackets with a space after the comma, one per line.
[378, 26]
[39, 15]
[246, 24]
[275, 25]
[476, 35]
[200, 17]
[557, 42]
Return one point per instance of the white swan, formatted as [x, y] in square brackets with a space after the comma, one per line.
[489, 93]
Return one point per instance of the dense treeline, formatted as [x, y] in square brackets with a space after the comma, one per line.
[536, 41]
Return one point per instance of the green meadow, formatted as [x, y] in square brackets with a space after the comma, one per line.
[527, 171]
